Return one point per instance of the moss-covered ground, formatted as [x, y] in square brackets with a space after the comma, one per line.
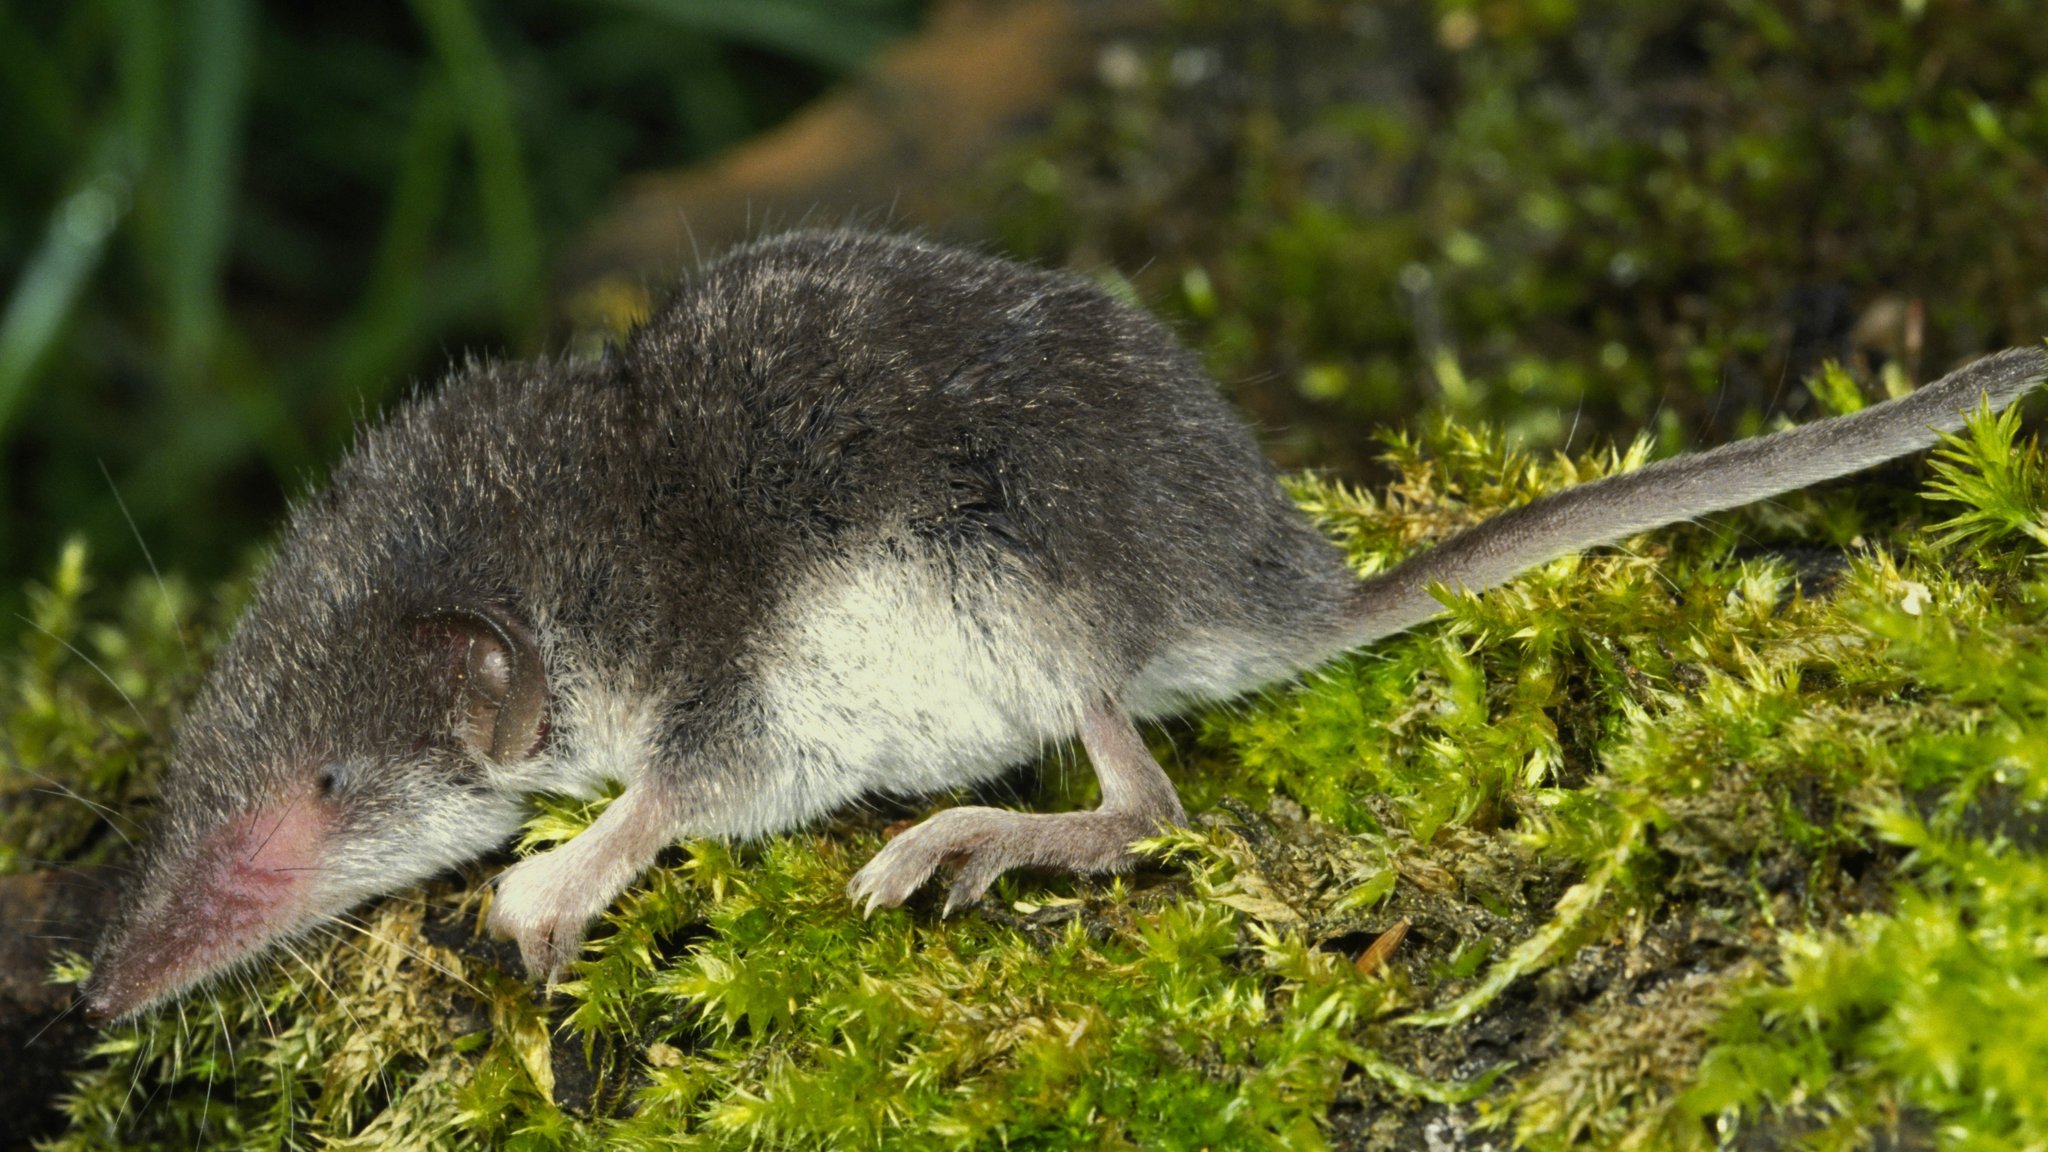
[1729, 837]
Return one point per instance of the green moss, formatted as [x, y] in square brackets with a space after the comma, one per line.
[1683, 852]
[1928, 1017]
[1561, 216]
[86, 701]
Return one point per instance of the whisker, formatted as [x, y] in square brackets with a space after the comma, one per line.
[64, 789]
[90, 663]
[105, 812]
[342, 918]
[184, 1038]
[256, 997]
[277, 1049]
[696, 254]
[205, 1107]
[134, 1078]
[52, 864]
[170, 610]
[282, 817]
[227, 1036]
[369, 1038]
[337, 997]
[154, 1089]
[68, 1009]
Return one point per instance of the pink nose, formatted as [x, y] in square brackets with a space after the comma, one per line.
[262, 860]
[101, 1008]
[245, 886]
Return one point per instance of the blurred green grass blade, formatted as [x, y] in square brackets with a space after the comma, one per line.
[841, 38]
[373, 348]
[72, 245]
[251, 386]
[144, 54]
[216, 82]
[206, 354]
[42, 101]
[485, 101]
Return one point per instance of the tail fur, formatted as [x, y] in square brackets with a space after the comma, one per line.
[1683, 487]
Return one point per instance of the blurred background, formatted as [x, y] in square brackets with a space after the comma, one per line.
[231, 229]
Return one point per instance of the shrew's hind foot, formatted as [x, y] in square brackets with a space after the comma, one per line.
[980, 844]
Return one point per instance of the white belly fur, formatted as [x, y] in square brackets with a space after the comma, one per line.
[894, 674]
[1218, 664]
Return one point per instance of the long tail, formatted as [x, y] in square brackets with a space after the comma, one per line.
[1683, 487]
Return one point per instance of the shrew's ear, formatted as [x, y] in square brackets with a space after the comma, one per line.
[501, 688]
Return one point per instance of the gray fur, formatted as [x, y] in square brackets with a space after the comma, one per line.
[852, 514]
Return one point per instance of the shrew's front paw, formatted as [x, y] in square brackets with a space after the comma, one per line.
[980, 844]
[546, 902]
[541, 906]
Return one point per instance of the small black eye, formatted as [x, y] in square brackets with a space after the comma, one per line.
[329, 781]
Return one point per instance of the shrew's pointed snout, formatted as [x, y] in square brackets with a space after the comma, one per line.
[103, 1004]
[243, 887]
